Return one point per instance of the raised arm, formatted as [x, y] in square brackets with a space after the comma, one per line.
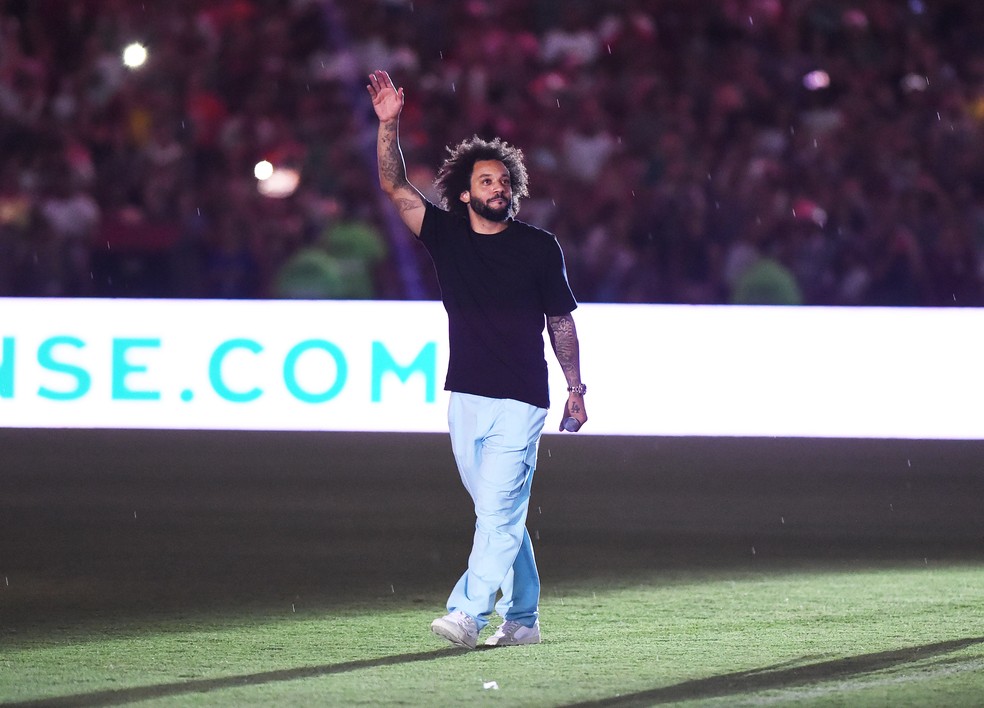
[387, 101]
[563, 339]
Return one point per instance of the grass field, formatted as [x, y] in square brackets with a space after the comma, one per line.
[163, 568]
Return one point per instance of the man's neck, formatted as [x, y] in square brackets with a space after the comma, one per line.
[481, 225]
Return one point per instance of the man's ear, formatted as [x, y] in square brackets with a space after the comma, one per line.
[465, 196]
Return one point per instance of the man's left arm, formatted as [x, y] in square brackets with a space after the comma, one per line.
[563, 339]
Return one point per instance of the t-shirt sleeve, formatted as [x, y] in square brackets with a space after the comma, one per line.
[430, 229]
[555, 290]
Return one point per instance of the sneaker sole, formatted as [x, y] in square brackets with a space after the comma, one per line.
[450, 636]
[490, 643]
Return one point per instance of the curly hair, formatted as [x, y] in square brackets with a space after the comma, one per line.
[454, 177]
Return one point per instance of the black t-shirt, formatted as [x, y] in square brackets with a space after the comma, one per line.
[497, 290]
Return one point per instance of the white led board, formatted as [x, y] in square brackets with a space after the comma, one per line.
[379, 366]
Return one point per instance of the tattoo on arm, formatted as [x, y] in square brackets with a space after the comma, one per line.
[403, 204]
[393, 176]
[392, 170]
[563, 339]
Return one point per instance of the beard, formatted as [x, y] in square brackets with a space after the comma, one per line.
[491, 213]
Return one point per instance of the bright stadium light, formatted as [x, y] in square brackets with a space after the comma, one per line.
[263, 170]
[134, 55]
[275, 182]
[281, 183]
[816, 80]
[914, 83]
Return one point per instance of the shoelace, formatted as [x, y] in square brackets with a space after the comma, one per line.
[509, 628]
[464, 621]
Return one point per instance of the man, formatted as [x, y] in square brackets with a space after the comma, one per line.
[499, 279]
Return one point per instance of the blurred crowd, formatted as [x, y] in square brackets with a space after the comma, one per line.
[818, 152]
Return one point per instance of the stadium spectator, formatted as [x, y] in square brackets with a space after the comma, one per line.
[696, 125]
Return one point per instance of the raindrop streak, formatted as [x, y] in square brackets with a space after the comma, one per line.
[452, 87]
[753, 550]
[292, 608]
[558, 103]
[392, 589]
[537, 534]
[909, 462]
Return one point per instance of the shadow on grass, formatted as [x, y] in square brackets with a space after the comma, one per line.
[772, 677]
[122, 696]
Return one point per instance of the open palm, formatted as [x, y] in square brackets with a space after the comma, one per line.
[387, 100]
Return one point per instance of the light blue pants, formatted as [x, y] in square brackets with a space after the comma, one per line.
[494, 443]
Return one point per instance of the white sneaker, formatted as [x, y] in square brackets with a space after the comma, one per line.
[458, 628]
[513, 634]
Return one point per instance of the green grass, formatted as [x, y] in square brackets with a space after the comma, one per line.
[843, 634]
[226, 569]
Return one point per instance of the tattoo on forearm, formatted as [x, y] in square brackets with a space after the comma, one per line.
[392, 171]
[563, 338]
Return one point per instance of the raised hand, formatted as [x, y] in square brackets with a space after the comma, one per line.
[387, 100]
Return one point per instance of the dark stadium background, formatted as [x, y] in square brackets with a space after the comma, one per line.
[675, 147]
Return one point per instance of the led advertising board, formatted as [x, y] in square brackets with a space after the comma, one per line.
[379, 366]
